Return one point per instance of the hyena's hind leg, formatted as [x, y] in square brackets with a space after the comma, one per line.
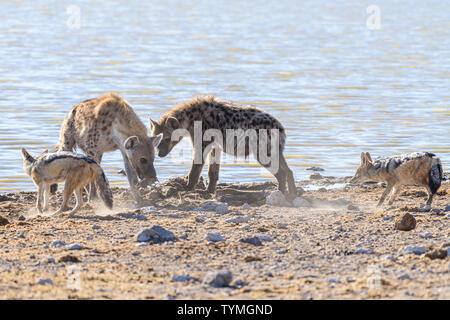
[430, 195]
[214, 169]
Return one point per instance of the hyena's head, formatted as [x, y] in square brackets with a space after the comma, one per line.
[141, 153]
[363, 171]
[166, 128]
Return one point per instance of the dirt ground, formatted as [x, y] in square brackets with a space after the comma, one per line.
[340, 247]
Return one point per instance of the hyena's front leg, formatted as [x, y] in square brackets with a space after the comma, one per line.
[132, 179]
[213, 169]
[385, 193]
[196, 169]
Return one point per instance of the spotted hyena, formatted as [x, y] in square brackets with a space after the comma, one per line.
[215, 126]
[108, 123]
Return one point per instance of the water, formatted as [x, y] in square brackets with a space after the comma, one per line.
[338, 87]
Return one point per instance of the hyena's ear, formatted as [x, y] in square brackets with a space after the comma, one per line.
[368, 157]
[25, 154]
[131, 142]
[156, 139]
[172, 123]
[363, 158]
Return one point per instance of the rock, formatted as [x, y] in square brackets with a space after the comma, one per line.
[149, 210]
[388, 257]
[212, 205]
[405, 223]
[439, 253]
[3, 221]
[301, 203]
[424, 208]
[246, 206]
[44, 281]
[69, 258]
[364, 251]
[414, 250]
[240, 219]
[332, 280]
[222, 208]
[426, 235]
[388, 218]
[183, 278]
[239, 283]
[75, 246]
[157, 234]
[263, 237]
[214, 237]
[447, 208]
[21, 218]
[277, 198]
[281, 225]
[352, 207]
[219, 279]
[20, 234]
[58, 244]
[315, 169]
[315, 176]
[253, 241]
[404, 276]
[51, 260]
[95, 227]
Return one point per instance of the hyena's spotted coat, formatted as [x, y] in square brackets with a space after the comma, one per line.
[222, 115]
[105, 124]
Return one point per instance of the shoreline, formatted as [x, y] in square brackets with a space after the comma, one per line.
[339, 246]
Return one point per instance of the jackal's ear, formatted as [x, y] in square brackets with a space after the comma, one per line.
[131, 142]
[172, 123]
[368, 157]
[363, 158]
[156, 139]
[154, 125]
[25, 154]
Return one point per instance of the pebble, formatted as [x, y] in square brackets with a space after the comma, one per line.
[95, 227]
[414, 250]
[253, 240]
[246, 206]
[51, 260]
[388, 217]
[315, 176]
[58, 244]
[75, 246]
[439, 253]
[388, 257]
[264, 237]
[426, 235]
[364, 251]
[405, 223]
[424, 208]
[332, 280]
[44, 281]
[142, 244]
[315, 169]
[222, 208]
[149, 210]
[20, 234]
[21, 218]
[156, 234]
[219, 279]
[183, 278]
[239, 283]
[281, 225]
[447, 208]
[404, 276]
[214, 237]
[240, 219]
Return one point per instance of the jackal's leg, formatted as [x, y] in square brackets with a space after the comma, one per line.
[395, 192]
[79, 199]
[41, 188]
[132, 179]
[69, 187]
[92, 189]
[430, 196]
[385, 193]
[213, 169]
[46, 196]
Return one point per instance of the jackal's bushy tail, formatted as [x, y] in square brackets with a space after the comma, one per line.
[436, 176]
[103, 186]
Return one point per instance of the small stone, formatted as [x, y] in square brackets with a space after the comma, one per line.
[3, 221]
[214, 237]
[219, 279]
[21, 218]
[69, 258]
[239, 283]
[439, 253]
[240, 219]
[156, 234]
[414, 250]
[424, 208]
[281, 225]
[277, 198]
[246, 206]
[352, 207]
[44, 281]
[315, 169]
[51, 260]
[253, 241]
[149, 210]
[20, 234]
[222, 208]
[426, 235]
[95, 227]
[447, 208]
[284, 251]
[182, 278]
[315, 176]
[75, 246]
[142, 244]
[388, 257]
[332, 280]
[58, 244]
[388, 218]
[184, 236]
[405, 223]
[364, 251]
[263, 237]
[404, 276]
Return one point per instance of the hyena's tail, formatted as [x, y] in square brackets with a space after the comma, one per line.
[436, 175]
[102, 186]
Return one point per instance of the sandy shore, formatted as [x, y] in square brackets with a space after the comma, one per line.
[342, 247]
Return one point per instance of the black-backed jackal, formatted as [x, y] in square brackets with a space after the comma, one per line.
[76, 170]
[419, 168]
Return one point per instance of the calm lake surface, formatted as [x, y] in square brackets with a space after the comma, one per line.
[338, 87]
